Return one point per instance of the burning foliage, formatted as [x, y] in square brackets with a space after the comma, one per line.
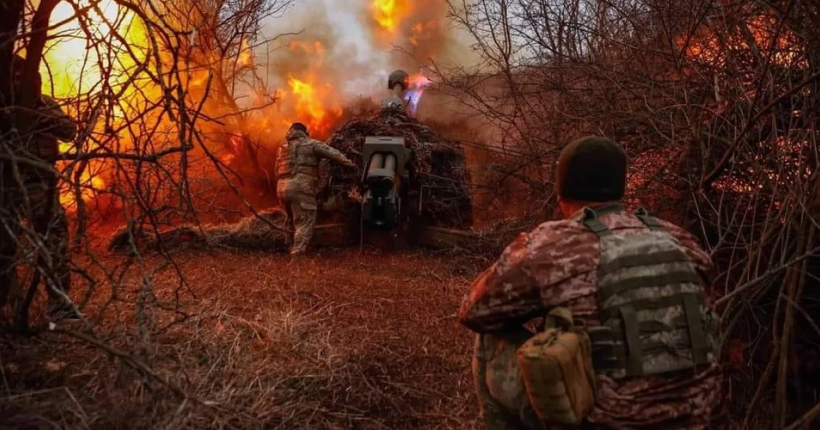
[716, 103]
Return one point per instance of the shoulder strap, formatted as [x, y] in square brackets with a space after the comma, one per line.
[647, 220]
[591, 221]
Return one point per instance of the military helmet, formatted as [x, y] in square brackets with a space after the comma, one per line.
[398, 77]
[298, 126]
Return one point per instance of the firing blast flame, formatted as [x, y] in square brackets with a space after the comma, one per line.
[314, 105]
[418, 83]
[390, 13]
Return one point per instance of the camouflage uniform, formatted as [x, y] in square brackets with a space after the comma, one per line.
[557, 265]
[297, 170]
[39, 204]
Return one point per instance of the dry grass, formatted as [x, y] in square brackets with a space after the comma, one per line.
[338, 340]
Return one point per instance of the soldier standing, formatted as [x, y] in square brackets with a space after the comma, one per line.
[640, 277]
[297, 171]
[38, 202]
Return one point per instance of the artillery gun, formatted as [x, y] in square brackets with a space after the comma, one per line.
[412, 187]
[384, 180]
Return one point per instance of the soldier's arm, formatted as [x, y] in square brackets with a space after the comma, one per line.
[326, 151]
[53, 121]
[544, 268]
[505, 295]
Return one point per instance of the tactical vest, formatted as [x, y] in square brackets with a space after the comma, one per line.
[296, 157]
[285, 160]
[651, 303]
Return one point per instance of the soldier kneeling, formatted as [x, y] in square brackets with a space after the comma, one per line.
[635, 282]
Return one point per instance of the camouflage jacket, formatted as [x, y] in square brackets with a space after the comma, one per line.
[300, 155]
[557, 265]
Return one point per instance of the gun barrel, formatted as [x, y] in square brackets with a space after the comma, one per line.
[376, 163]
[390, 163]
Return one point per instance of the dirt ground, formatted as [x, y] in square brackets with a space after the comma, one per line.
[253, 340]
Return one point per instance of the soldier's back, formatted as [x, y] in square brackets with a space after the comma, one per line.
[567, 258]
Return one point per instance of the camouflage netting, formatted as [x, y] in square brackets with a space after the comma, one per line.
[437, 164]
[266, 231]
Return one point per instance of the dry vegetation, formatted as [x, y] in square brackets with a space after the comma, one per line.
[338, 340]
[716, 103]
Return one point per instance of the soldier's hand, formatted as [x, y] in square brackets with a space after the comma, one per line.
[350, 164]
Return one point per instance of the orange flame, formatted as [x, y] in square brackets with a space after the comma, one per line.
[419, 81]
[311, 101]
[245, 57]
[390, 13]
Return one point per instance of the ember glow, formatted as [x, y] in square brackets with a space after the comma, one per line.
[418, 29]
[706, 48]
[245, 57]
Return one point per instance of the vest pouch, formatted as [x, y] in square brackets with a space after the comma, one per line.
[556, 366]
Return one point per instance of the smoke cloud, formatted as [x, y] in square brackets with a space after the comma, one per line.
[342, 51]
